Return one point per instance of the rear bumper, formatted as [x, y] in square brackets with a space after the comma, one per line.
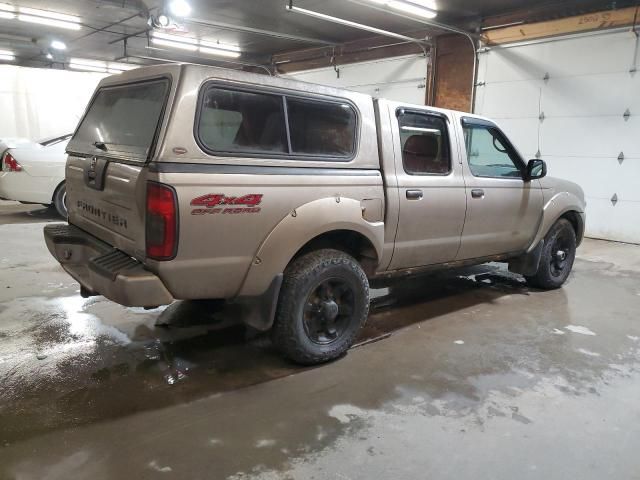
[104, 270]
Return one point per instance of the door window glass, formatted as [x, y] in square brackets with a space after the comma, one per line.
[425, 144]
[489, 154]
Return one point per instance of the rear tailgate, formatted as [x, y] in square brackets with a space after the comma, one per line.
[115, 213]
[106, 170]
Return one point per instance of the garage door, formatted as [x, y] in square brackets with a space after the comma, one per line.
[575, 102]
[398, 78]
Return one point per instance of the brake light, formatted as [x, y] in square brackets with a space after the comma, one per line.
[11, 164]
[161, 222]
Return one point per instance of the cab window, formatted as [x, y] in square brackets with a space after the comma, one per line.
[489, 153]
[425, 144]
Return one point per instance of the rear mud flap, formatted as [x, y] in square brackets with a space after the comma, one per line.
[260, 312]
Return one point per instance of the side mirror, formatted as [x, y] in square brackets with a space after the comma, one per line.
[536, 169]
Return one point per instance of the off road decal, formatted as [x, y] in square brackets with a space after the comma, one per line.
[217, 203]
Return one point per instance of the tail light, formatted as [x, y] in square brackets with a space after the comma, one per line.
[162, 222]
[10, 163]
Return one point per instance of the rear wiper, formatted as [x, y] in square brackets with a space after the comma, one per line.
[101, 146]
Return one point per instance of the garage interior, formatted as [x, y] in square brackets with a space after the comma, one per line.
[463, 374]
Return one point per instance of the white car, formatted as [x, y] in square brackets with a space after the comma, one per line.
[33, 172]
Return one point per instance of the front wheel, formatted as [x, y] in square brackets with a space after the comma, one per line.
[323, 303]
[60, 201]
[558, 255]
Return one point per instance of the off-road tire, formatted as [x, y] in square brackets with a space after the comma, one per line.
[59, 201]
[549, 276]
[289, 334]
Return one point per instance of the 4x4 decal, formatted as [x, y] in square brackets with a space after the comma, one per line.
[213, 203]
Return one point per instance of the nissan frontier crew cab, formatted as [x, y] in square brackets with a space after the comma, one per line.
[287, 198]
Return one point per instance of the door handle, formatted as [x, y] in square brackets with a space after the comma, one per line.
[477, 193]
[414, 194]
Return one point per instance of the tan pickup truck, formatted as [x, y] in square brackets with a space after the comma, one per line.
[287, 198]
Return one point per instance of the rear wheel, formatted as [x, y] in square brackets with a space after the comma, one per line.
[60, 200]
[323, 303]
[557, 258]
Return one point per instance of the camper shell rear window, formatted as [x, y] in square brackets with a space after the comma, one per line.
[122, 121]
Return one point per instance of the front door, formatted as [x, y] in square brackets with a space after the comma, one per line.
[430, 187]
[503, 211]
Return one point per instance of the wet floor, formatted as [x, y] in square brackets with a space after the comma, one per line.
[464, 375]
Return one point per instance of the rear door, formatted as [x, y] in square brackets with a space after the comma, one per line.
[430, 186]
[106, 169]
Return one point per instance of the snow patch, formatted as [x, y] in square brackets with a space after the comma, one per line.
[265, 443]
[588, 352]
[579, 329]
[558, 332]
[346, 413]
[459, 342]
[155, 466]
[633, 338]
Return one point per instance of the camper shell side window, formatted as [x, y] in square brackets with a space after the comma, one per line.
[256, 122]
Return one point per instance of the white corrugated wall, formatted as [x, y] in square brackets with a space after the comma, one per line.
[565, 99]
[402, 79]
[37, 103]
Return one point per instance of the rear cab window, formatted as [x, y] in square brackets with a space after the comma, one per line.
[238, 122]
[425, 143]
[122, 121]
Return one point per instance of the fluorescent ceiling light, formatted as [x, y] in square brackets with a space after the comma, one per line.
[416, 8]
[122, 66]
[53, 19]
[87, 68]
[175, 41]
[218, 45]
[100, 66]
[7, 11]
[46, 14]
[7, 55]
[58, 45]
[220, 52]
[180, 8]
[89, 62]
[171, 43]
[412, 9]
[430, 4]
[175, 38]
[49, 22]
[206, 47]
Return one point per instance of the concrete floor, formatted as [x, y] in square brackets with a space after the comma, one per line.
[465, 375]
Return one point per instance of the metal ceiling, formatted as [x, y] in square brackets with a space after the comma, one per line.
[260, 27]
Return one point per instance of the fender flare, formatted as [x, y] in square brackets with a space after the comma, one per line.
[298, 228]
[556, 207]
